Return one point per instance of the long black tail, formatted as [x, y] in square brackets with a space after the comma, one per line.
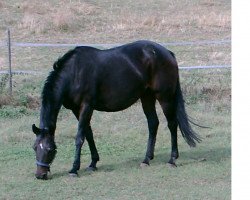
[190, 136]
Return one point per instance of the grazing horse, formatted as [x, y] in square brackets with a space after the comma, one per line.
[87, 79]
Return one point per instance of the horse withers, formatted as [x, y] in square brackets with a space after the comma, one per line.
[87, 79]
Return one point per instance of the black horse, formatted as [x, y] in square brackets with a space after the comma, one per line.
[87, 79]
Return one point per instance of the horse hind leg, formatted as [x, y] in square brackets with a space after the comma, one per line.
[169, 110]
[148, 105]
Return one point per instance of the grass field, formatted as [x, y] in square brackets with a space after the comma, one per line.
[203, 172]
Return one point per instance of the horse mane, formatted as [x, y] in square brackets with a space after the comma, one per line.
[59, 63]
[172, 54]
[48, 93]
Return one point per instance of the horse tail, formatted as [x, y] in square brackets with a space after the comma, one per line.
[59, 63]
[190, 136]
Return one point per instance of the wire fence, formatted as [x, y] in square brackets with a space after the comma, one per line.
[9, 45]
[104, 46]
[30, 72]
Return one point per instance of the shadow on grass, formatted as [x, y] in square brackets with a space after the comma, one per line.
[189, 157]
[216, 155]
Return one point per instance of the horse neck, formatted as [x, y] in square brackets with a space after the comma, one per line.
[48, 117]
[51, 103]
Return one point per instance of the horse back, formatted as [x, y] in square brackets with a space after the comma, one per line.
[114, 79]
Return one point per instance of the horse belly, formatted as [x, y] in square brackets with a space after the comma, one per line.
[118, 97]
[107, 107]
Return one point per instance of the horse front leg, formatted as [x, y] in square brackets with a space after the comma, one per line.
[77, 161]
[83, 128]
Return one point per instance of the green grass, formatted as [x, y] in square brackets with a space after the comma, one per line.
[203, 172]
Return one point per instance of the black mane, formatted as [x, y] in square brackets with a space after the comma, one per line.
[48, 87]
[48, 92]
[59, 63]
[51, 96]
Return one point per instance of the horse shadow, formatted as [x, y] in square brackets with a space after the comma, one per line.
[188, 157]
[216, 155]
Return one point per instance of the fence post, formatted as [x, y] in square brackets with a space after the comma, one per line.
[9, 58]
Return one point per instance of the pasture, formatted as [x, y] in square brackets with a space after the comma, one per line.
[203, 172]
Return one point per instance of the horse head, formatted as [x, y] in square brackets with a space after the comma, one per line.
[45, 149]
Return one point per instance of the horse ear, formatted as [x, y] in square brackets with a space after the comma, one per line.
[35, 129]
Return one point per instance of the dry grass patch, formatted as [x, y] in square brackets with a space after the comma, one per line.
[133, 22]
[41, 18]
[63, 19]
[34, 23]
[174, 19]
[5, 100]
[213, 19]
[117, 21]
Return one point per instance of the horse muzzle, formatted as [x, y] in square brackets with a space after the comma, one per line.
[43, 176]
[43, 173]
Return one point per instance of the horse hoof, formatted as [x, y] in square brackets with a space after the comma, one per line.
[91, 169]
[73, 174]
[172, 165]
[143, 165]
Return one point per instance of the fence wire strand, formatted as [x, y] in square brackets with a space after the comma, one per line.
[104, 46]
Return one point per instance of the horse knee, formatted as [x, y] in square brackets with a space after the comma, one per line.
[79, 141]
[153, 123]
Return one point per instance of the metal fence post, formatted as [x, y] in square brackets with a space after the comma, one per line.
[9, 58]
